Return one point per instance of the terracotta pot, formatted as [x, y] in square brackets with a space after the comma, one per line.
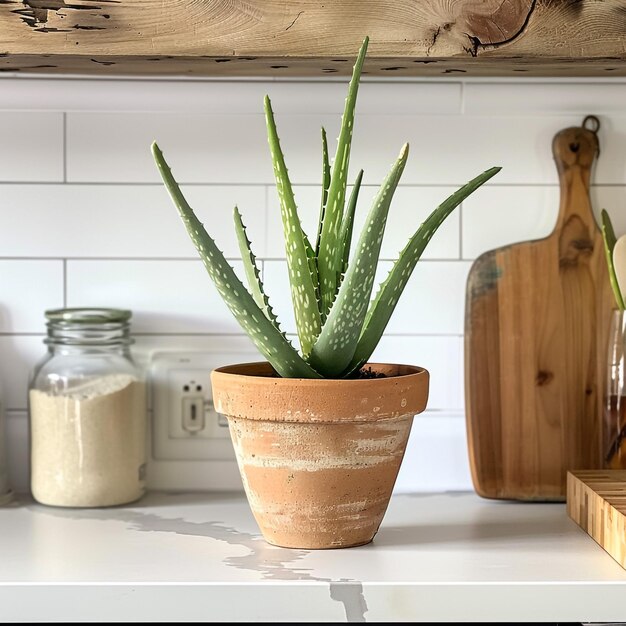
[319, 458]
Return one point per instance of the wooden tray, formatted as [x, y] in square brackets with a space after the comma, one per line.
[596, 501]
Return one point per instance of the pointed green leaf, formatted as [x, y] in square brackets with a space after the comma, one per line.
[253, 276]
[325, 185]
[310, 255]
[312, 261]
[347, 224]
[338, 340]
[391, 289]
[267, 338]
[608, 235]
[299, 251]
[330, 256]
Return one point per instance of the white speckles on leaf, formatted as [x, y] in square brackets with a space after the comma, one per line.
[281, 354]
[296, 244]
[389, 292]
[347, 314]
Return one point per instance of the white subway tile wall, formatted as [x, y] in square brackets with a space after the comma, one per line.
[32, 146]
[173, 296]
[85, 221]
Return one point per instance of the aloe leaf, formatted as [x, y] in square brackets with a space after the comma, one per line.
[325, 185]
[330, 258]
[253, 276]
[391, 289]
[608, 235]
[347, 224]
[299, 252]
[312, 261]
[272, 343]
[338, 340]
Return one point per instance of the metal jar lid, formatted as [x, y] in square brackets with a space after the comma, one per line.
[88, 315]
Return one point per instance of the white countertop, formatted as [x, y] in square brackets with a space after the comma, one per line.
[188, 557]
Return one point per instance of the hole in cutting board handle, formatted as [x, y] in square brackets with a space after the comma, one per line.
[591, 123]
[574, 147]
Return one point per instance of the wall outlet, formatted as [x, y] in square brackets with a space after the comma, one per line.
[185, 424]
[190, 406]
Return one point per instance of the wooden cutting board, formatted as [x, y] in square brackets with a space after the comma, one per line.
[596, 501]
[536, 332]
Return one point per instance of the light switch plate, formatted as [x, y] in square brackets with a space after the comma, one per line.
[179, 382]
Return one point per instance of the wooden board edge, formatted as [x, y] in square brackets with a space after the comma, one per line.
[99, 64]
[581, 501]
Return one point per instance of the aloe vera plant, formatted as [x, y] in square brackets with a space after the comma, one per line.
[338, 322]
[610, 240]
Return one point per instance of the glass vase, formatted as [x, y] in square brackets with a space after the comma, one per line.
[614, 424]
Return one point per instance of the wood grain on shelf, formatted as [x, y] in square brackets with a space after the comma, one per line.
[307, 38]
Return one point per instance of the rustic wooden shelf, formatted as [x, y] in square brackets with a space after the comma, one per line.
[306, 38]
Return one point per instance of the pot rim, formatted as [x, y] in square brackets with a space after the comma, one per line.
[235, 370]
[249, 391]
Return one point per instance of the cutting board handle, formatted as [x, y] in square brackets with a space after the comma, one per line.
[575, 150]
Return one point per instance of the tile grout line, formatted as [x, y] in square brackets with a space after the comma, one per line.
[462, 98]
[446, 185]
[266, 238]
[64, 283]
[225, 335]
[293, 333]
[185, 259]
[461, 232]
[64, 147]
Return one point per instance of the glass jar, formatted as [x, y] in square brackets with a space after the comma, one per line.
[614, 423]
[87, 405]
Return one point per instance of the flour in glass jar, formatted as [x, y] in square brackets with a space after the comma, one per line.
[88, 442]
